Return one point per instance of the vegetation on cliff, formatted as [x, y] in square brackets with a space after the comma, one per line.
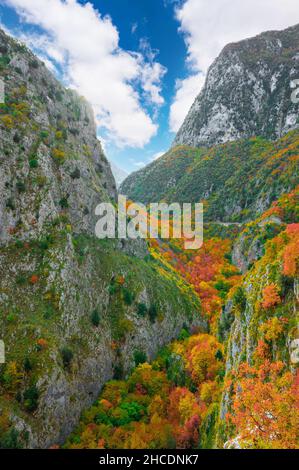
[83, 319]
[235, 387]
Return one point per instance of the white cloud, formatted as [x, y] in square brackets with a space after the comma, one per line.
[208, 26]
[186, 91]
[134, 28]
[152, 73]
[86, 46]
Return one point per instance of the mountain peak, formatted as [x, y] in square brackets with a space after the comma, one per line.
[247, 92]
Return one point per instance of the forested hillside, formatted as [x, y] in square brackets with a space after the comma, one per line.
[236, 181]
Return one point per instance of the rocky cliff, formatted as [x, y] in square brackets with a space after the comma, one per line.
[49, 150]
[247, 92]
[243, 117]
[68, 302]
[260, 319]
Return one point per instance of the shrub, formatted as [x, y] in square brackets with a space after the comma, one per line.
[44, 245]
[4, 61]
[44, 135]
[134, 410]
[112, 289]
[59, 135]
[27, 364]
[11, 376]
[33, 163]
[64, 203]
[11, 318]
[120, 280]
[67, 357]
[139, 357]
[175, 369]
[118, 372]
[124, 326]
[95, 318]
[7, 121]
[270, 296]
[240, 298]
[34, 64]
[58, 155]
[17, 138]
[219, 355]
[128, 297]
[20, 186]
[153, 313]
[41, 180]
[184, 334]
[20, 280]
[142, 310]
[41, 344]
[34, 279]
[31, 396]
[49, 311]
[75, 174]
[10, 440]
[10, 204]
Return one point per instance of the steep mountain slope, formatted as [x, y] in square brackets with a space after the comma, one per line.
[68, 302]
[247, 92]
[49, 150]
[236, 181]
[236, 387]
[152, 183]
[261, 320]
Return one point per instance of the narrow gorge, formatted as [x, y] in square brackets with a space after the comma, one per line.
[140, 343]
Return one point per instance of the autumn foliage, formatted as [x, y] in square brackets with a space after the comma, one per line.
[265, 409]
[208, 270]
[169, 403]
[291, 251]
[149, 410]
[270, 296]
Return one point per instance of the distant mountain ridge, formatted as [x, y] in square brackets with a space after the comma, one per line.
[236, 181]
[119, 174]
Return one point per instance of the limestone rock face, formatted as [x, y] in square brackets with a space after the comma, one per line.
[68, 301]
[240, 119]
[51, 160]
[247, 92]
[243, 315]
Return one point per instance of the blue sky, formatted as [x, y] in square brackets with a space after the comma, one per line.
[139, 62]
[155, 22]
